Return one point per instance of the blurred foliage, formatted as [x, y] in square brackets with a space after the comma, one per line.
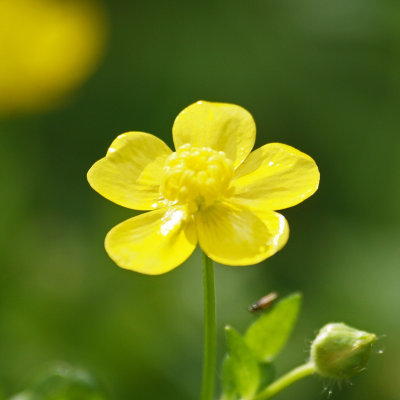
[322, 77]
[60, 381]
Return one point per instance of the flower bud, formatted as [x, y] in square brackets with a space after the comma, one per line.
[340, 351]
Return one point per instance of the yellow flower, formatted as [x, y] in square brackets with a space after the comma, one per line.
[210, 191]
[47, 49]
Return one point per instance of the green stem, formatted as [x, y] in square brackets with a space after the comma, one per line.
[286, 380]
[207, 392]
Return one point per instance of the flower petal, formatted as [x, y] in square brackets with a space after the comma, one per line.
[277, 224]
[220, 126]
[274, 177]
[129, 174]
[154, 242]
[231, 234]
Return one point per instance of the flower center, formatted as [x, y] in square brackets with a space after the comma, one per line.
[197, 176]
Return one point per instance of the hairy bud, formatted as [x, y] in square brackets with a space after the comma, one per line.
[340, 351]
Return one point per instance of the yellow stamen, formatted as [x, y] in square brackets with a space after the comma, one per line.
[196, 176]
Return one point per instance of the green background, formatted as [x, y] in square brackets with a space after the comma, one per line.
[322, 76]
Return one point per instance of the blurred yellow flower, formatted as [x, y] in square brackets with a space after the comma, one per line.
[210, 191]
[47, 48]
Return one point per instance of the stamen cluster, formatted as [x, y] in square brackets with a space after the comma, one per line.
[196, 176]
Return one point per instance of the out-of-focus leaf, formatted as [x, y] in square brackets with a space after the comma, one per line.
[62, 382]
[228, 379]
[240, 374]
[23, 396]
[270, 332]
[267, 373]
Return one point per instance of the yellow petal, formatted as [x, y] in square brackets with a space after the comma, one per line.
[274, 177]
[231, 234]
[220, 126]
[129, 174]
[154, 242]
[277, 224]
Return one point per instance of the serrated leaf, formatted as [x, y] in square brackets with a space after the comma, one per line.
[240, 374]
[269, 333]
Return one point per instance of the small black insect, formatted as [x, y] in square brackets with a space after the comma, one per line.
[264, 303]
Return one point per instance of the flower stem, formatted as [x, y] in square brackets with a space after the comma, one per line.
[207, 391]
[286, 380]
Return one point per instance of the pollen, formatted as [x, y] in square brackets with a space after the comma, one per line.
[196, 176]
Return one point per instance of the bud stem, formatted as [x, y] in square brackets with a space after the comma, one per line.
[286, 380]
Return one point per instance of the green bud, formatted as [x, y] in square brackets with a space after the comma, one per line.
[340, 351]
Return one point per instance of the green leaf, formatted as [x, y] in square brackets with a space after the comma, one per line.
[228, 379]
[60, 381]
[267, 374]
[240, 373]
[269, 333]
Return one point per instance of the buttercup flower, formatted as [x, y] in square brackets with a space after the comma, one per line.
[210, 191]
